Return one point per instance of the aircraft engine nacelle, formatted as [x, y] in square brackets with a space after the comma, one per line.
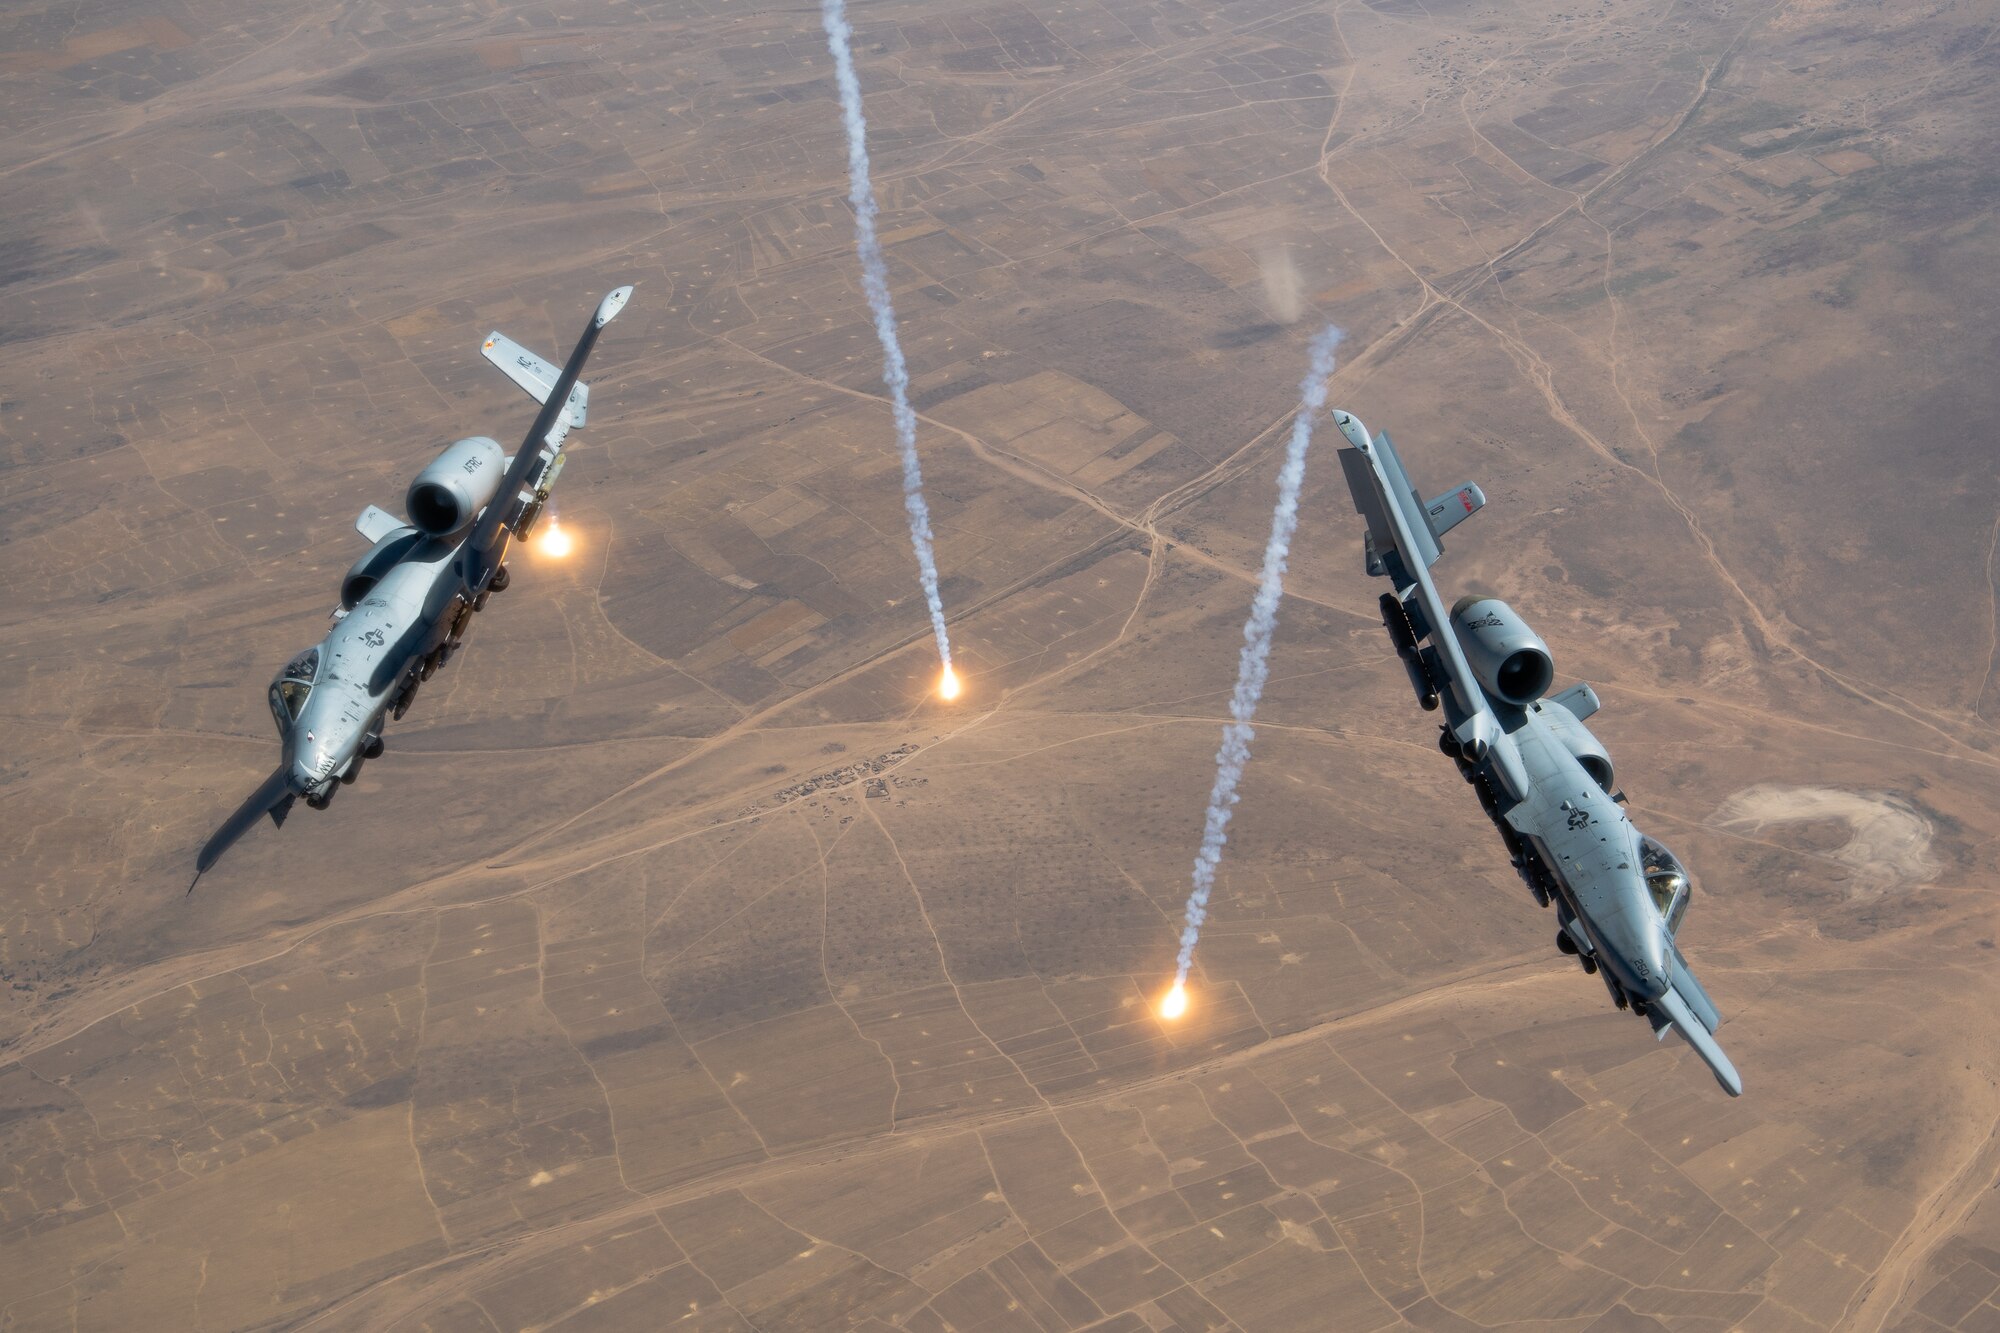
[1580, 741]
[460, 482]
[1510, 659]
[384, 556]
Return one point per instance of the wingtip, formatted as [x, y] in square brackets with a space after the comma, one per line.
[1725, 1073]
[1350, 426]
[1702, 1041]
[613, 302]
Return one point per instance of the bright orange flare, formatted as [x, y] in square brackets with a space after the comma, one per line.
[554, 542]
[948, 686]
[1175, 1003]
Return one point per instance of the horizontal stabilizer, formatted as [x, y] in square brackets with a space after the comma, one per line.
[375, 524]
[1679, 1017]
[1454, 507]
[1579, 699]
[533, 374]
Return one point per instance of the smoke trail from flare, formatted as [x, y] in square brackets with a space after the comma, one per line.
[875, 285]
[1253, 665]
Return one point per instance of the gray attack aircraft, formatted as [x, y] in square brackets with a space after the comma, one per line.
[406, 605]
[1542, 777]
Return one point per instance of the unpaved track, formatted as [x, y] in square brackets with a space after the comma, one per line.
[381, 1306]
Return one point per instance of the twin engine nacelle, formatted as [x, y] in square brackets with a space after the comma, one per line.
[461, 481]
[1579, 740]
[384, 556]
[1510, 659]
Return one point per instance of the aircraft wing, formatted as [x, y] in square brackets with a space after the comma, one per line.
[543, 444]
[273, 798]
[1402, 543]
[1675, 1011]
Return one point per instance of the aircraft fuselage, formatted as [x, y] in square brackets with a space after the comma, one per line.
[1580, 835]
[407, 602]
[372, 656]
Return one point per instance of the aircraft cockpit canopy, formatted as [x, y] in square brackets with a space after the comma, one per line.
[292, 687]
[1667, 880]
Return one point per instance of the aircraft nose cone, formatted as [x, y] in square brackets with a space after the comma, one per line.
[310, 766]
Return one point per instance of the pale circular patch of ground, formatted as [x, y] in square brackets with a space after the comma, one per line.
[1889, 841]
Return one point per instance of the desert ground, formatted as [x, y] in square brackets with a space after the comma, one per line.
[686, 962]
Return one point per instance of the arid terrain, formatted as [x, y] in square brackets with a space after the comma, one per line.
[687, 963]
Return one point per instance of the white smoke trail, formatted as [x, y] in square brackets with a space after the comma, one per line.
[875, 285]
[1253, 665]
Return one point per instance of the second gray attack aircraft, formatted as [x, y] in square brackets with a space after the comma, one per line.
[1542, 777]
[406, 605]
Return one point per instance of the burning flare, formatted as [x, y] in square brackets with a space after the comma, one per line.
[948, 684]
[554, 542]
[1253, 662]
[1175, 1002]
